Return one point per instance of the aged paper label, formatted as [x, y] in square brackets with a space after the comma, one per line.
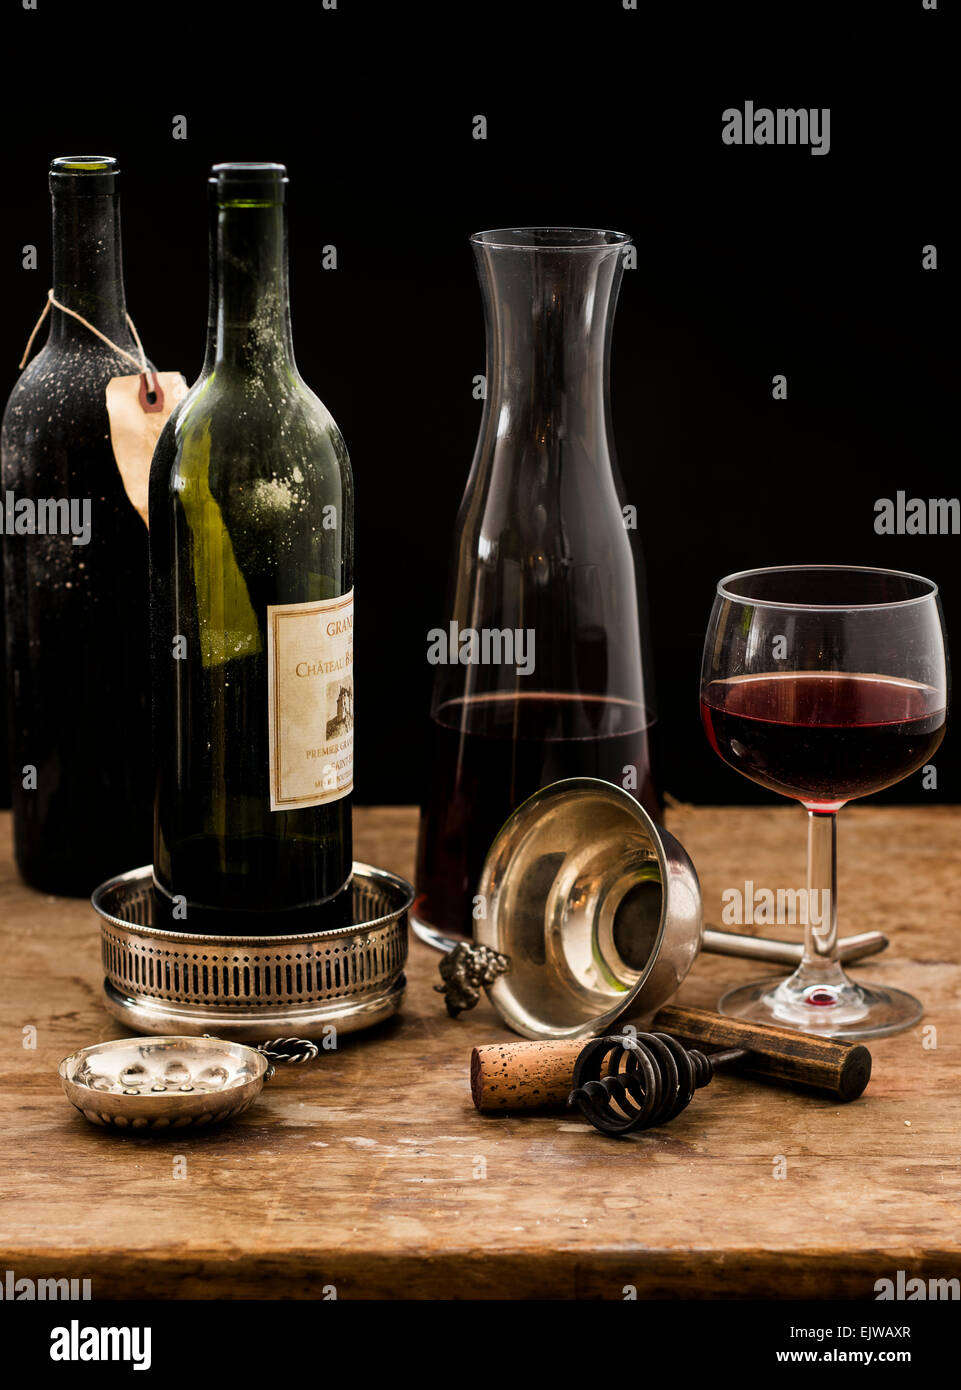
[134, 431]
[310, 697]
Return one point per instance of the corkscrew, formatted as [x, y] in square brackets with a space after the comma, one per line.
[634, 1080]
[626, 1083]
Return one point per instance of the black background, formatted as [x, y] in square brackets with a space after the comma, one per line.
[752, 262]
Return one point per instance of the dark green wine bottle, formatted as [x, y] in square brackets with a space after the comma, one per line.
[251, 557]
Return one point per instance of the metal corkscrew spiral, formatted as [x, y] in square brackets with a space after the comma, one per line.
[636, 1081]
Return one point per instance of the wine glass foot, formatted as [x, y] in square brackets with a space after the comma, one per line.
[830, 1010]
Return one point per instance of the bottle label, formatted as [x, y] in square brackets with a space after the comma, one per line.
[310, 701]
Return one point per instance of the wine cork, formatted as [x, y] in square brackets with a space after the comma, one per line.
[523, 1075]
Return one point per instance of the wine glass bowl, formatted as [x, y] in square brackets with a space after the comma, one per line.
[823, 738]
[824, 683]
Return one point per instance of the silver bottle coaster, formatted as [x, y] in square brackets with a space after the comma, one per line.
[156, 1084]
[245, 988]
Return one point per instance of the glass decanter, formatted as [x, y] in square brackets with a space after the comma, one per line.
[540, 670]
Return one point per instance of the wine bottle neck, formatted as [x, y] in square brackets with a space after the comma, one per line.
[249, 304]
[87, 267]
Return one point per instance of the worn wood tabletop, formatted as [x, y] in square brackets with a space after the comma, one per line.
[369, 1172]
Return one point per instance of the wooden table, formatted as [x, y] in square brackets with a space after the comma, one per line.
[371, 1172]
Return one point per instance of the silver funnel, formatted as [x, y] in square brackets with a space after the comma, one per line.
[599, 912]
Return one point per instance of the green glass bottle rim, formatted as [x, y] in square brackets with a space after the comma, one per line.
[89, 175]
[249, 170]
[85, 164]
[248, 184]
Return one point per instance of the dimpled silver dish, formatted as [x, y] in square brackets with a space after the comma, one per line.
[162, 1083]
[253, 987]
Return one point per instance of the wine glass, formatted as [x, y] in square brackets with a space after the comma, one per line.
[824, 683]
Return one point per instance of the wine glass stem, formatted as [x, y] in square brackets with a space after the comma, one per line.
[821, 930]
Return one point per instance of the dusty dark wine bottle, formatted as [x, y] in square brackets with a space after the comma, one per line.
[75, 570]
[4, 737]
[251, 544]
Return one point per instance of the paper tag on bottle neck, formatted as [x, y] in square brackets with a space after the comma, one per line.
[138, 407]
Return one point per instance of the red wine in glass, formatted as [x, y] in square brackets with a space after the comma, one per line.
[857, 701]
[823, 737]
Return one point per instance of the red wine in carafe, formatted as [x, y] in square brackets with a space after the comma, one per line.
[488, 754]
[823, 737]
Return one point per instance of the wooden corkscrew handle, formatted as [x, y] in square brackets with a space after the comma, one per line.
[840, 1069]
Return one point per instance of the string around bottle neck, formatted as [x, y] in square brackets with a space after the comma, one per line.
[141, 365]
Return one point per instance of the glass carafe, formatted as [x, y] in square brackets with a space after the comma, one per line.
[540, 670]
